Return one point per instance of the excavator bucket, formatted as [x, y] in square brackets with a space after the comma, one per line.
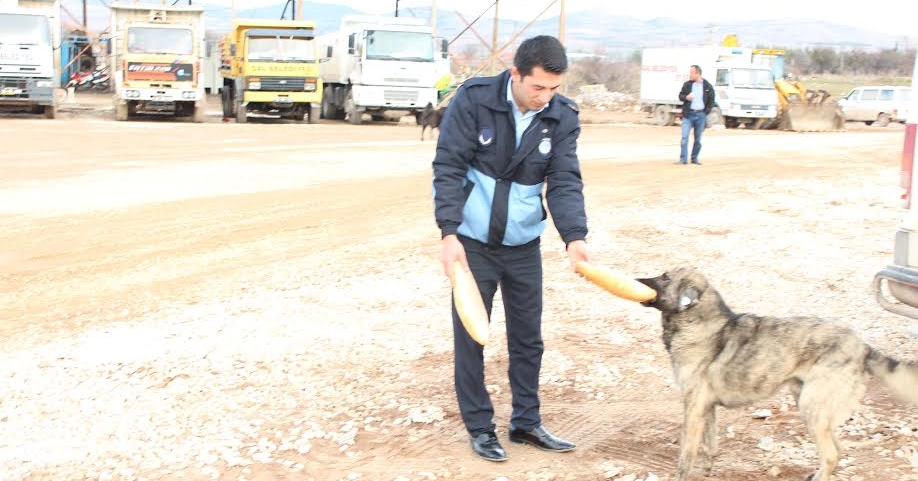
[806, 110]
[814, 117]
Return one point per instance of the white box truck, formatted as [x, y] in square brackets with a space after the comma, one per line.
[744, 92]
[387, 67]
[30, 34]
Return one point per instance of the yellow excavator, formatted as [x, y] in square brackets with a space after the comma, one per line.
[799, 109]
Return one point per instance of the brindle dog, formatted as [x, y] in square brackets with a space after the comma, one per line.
[723, 358]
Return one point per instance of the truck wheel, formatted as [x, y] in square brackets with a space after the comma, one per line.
[226, 101]
[328, 108]
[354, 115]
[314, 113]
[331, 110]
[882, 120]
[50, 111]
[714, 118]
[240, 113]
[121, 111]
[197, 113]
[662, 116]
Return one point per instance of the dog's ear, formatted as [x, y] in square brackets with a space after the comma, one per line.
[688, 297]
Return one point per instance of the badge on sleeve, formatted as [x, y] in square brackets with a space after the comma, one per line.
[486, 136]
[545, 146]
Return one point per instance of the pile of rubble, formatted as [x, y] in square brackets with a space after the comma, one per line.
[598, 97]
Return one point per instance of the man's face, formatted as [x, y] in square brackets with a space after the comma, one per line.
[533, 91]
[694, 74]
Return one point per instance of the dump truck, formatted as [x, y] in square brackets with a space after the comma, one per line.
[270, 68]
[156, 57]
[799, 109]
[387, 67]
[30, 32]
[744, 92]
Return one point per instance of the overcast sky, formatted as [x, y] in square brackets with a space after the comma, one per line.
[889, 16]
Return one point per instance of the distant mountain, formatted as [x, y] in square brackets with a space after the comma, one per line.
[588, 31]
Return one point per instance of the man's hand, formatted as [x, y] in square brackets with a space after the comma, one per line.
[577, 251]
[451, 250]
[690, 97]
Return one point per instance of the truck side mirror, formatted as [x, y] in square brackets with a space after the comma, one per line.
[444, 48]
[351, 44]
[232, 50]
[328, 52]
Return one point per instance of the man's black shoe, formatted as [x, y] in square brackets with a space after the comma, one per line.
[487, 446]
[541, 438]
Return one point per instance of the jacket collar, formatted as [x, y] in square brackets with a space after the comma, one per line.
[498, 99]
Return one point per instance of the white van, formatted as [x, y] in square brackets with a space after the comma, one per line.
[880, 104]
[901, 277]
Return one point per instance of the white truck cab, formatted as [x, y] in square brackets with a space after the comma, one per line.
[387, 67]
[901, 276]
[744, 91]
[30, 37]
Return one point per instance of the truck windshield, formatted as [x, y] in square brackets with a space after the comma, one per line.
[752, 78]
[282, 49]
[389, 45]
[24, 29]
[160, 40]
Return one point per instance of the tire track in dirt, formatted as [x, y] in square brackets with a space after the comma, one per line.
[78, 262]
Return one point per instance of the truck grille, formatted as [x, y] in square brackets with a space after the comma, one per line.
[410, 96]
[10, 85]
[401, 80]
[282, 84]
[19, 83]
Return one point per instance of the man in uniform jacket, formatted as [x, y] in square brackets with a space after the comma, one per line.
[503, 141]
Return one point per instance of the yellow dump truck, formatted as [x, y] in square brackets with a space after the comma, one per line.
[271, 68]
[156, 57]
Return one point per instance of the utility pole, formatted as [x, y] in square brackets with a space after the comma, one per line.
[562, 24]
[396, 8]
[85, 17]
[433, 17]
[494, 40]
[562, 33]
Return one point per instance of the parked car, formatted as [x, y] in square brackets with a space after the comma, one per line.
[880, 104]
[906, 107]
[901, 276]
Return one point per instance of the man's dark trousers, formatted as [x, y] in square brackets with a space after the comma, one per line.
[518, 272]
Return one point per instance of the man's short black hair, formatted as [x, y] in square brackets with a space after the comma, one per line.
[541, 51]
[697, 69]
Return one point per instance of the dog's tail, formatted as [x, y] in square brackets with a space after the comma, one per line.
[900, 377]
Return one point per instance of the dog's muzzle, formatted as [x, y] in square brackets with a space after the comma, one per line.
[653, 285]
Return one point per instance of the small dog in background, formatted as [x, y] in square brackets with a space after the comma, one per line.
[430, 117]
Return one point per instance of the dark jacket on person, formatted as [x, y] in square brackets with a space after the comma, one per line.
[487, 189]
[707, 96]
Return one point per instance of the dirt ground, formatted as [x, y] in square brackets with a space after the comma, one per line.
[263, 301]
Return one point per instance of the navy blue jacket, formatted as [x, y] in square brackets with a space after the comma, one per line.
[707, 96]
[486, 189]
